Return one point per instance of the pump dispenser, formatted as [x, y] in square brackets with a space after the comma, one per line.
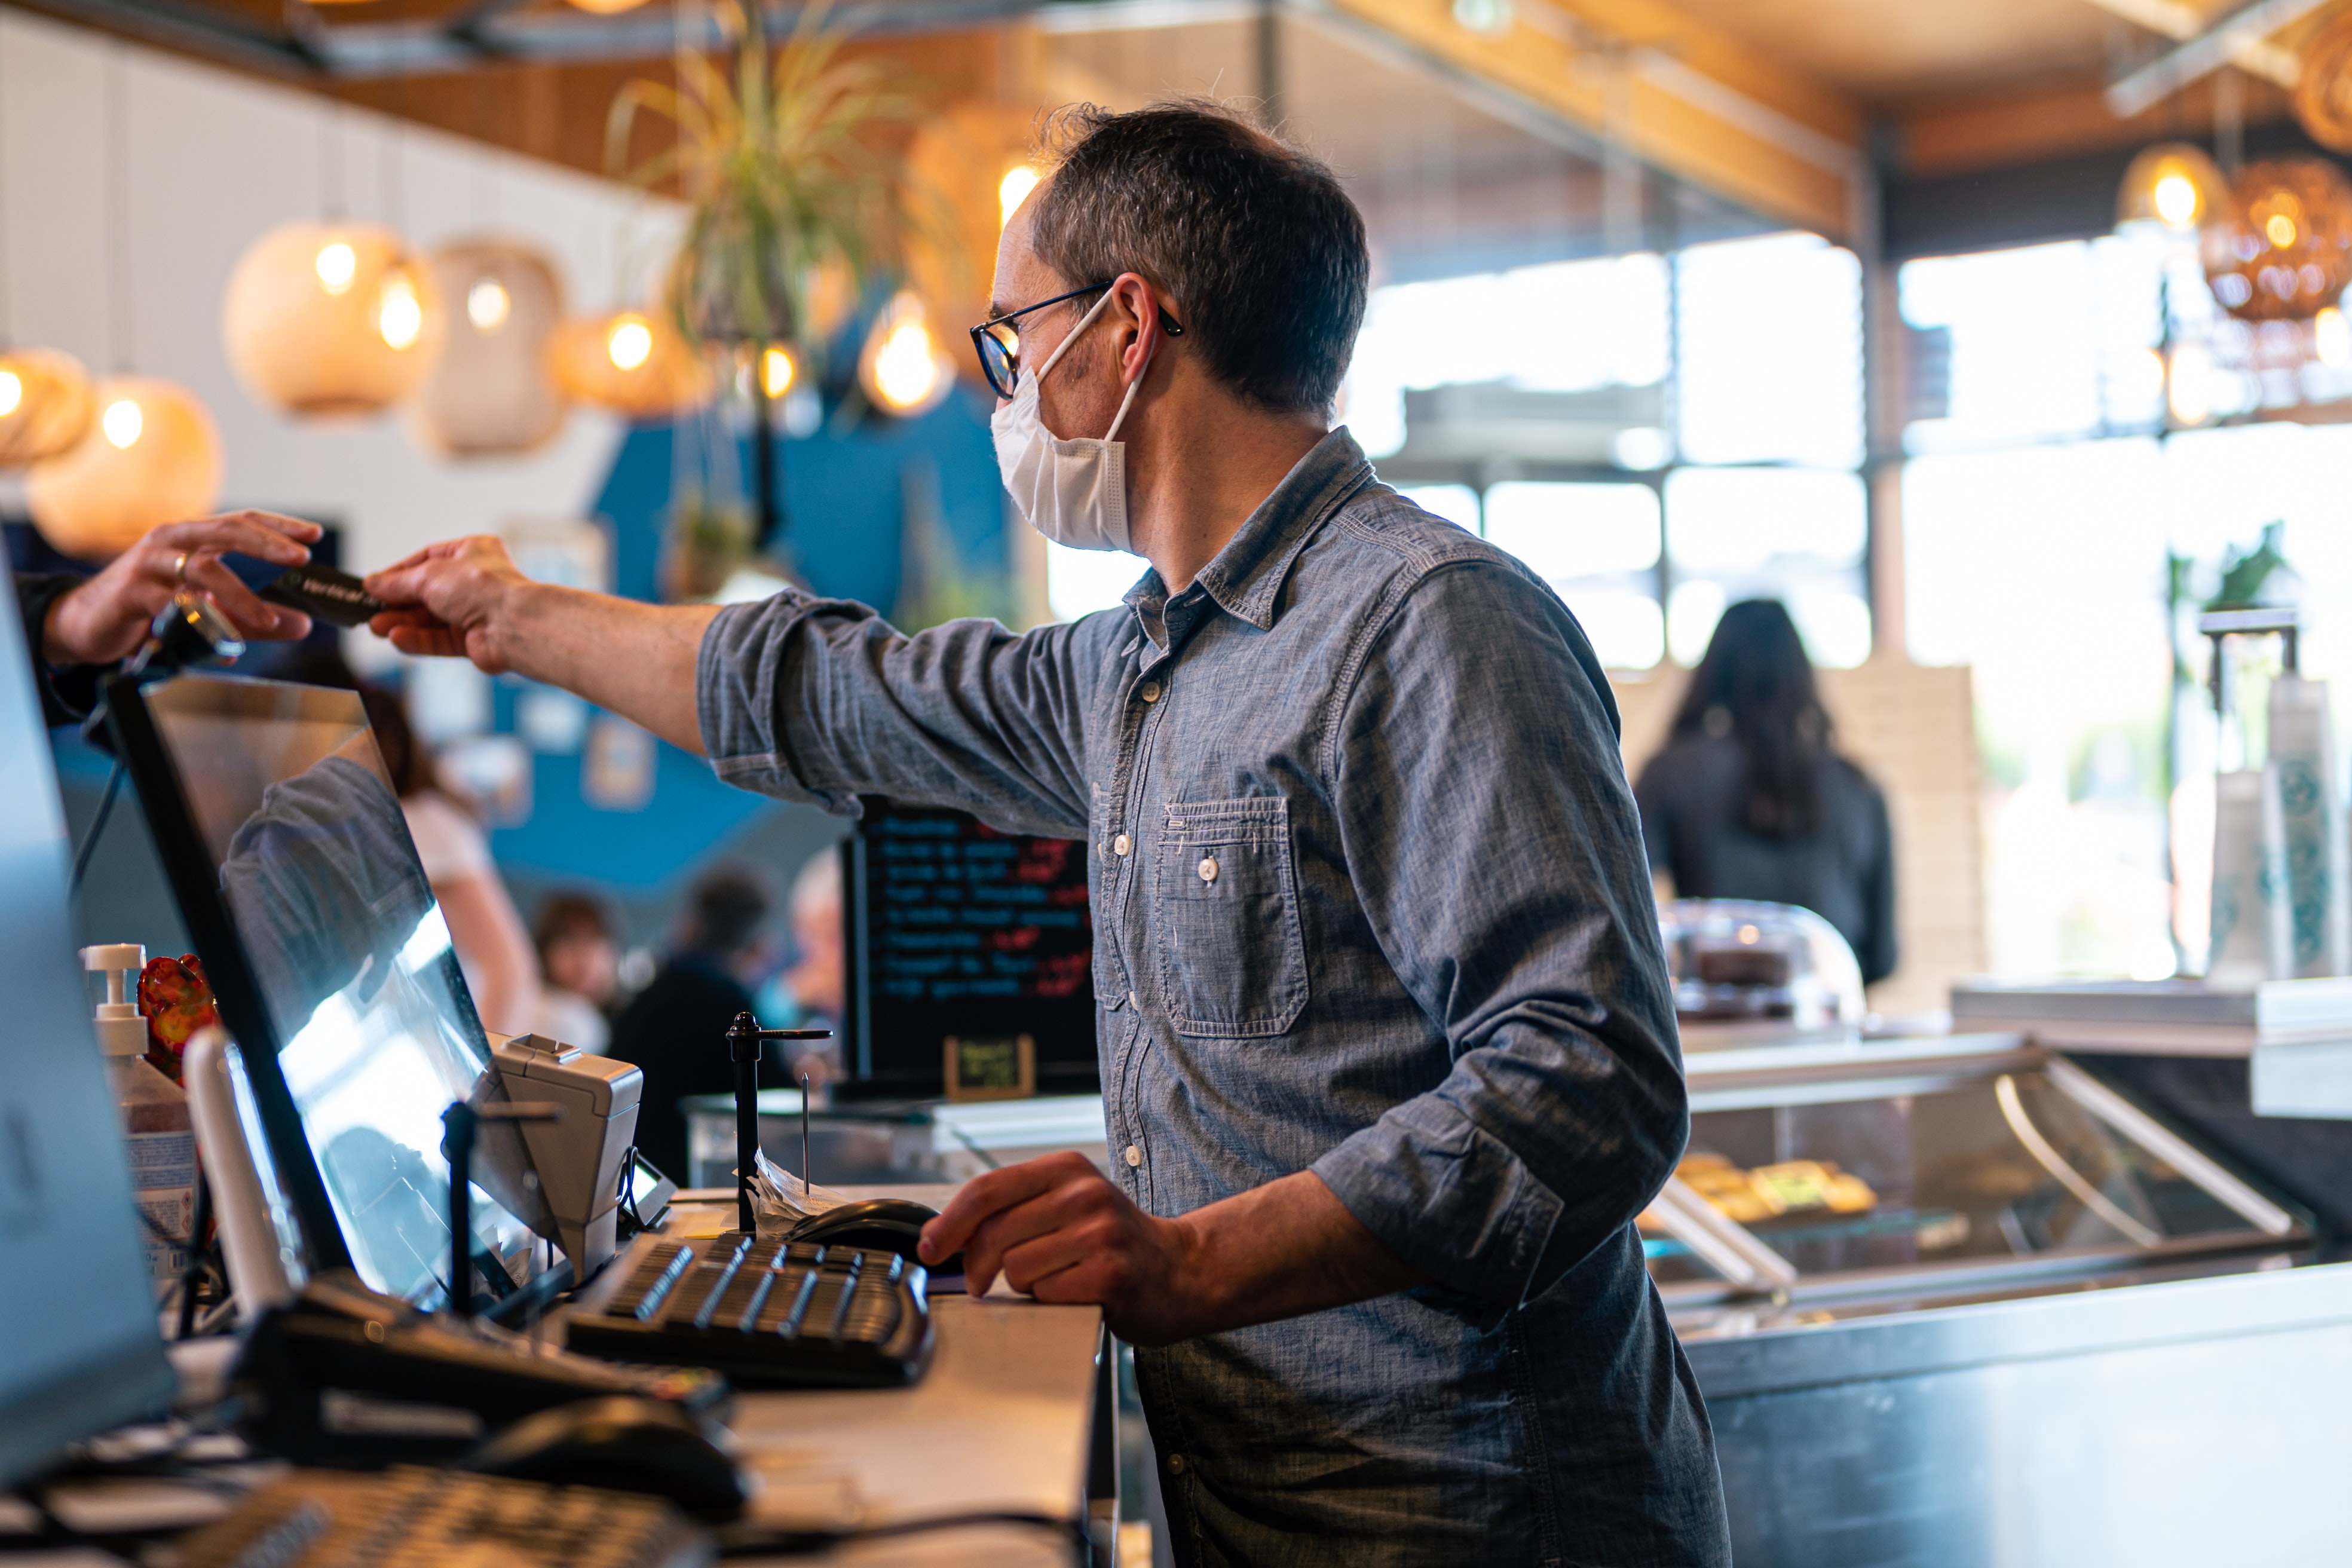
[157, 1129]
[121, 1028]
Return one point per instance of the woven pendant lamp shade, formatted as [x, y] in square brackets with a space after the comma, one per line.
[2282, 250]
[329, 319]
[152, 456]
[47, 405]
[490, 391]
[634, 363]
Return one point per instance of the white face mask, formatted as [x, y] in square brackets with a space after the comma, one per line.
[1074, 492]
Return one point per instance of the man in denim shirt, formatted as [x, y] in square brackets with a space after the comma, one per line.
[1388, 1050]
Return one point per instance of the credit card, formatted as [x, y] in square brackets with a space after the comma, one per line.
[323, 593]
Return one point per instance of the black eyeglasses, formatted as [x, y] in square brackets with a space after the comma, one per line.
[999, 346]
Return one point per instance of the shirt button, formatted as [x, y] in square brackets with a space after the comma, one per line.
[1131, 1000]
[1175, 1464]
[1134, 1156]
[1121, 845]
[1150, 692]
[1208, 867]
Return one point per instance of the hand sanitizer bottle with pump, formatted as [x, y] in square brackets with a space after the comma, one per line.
[156, 1127]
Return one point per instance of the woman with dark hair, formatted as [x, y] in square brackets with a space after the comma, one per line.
[1750, 800]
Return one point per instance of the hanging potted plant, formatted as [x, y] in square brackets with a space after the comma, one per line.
[793, 205]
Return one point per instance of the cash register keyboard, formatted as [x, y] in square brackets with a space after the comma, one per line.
[767, 1313]
[410, 1517]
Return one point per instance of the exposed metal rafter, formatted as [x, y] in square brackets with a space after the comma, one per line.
[2240, 38]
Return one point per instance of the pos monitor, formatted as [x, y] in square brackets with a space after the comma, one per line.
[79, 1350]
[291, 859]
[970, 955]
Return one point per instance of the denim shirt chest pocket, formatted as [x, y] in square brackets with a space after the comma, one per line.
[1232, 964]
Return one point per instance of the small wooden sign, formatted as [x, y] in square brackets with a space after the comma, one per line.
[990, 1067]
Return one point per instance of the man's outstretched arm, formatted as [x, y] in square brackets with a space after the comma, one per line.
[465, 597]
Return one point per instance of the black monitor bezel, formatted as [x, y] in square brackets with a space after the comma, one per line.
[196, 884]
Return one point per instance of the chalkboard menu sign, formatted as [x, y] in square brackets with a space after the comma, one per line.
[970, 958]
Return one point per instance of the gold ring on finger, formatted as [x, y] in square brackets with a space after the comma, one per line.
[180, 569]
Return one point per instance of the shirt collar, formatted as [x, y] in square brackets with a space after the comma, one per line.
[1247, 573]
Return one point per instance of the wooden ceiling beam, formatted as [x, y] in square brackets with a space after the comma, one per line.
[1636, 75]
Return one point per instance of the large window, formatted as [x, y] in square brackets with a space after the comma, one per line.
[2043, 514]
[1747, 488]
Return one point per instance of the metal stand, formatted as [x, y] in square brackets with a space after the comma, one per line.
[458, 1125]
[744, 1038]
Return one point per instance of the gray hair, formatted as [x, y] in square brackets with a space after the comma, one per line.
[1261, 253]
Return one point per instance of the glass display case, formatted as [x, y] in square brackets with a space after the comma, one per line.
[1744, 970]
[1819, 1173]
[1957, 1300]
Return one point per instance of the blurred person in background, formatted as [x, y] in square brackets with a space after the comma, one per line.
[675, 1030]
[1749, 798]
[807, 993]
[493, 947]
[579, 970]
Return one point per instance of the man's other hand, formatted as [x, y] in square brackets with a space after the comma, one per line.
[451, 600]
[1055, 1229]
[106, 618]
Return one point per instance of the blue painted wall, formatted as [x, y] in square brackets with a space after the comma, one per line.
[845, 499]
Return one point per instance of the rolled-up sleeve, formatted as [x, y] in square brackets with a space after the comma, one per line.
[1498, 855]
[821, 700]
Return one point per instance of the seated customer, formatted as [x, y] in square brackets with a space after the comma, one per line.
[1750, 800]
[807, 993]
[493, 948]
[675, 1029]
[579, 970]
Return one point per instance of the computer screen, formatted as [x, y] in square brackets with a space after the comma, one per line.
[287, 848]
[966, 940]
[79, 1351]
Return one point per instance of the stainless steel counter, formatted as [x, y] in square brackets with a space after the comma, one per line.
[2198, 1413]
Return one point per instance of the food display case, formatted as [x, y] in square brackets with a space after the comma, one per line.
[1962, 1299]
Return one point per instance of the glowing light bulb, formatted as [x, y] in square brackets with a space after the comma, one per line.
[123, 423]
[399, 314]
[776, 371]
[488, 305]
[630, 342]
[2176, 200]
[2281, 229]
[12, 391]
[2331, 337]
[907, 368]
[1013, 190]
[336, 266]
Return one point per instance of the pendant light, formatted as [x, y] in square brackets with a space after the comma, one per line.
[632, 362]
[2281, 249]
[904, 368]
[491, 391]
[2172, 186]
[329, 319]
[45, 403]
[151, 456]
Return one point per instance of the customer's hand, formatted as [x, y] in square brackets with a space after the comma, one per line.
[452, 600]
[1058, 1230]
[107, 617]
